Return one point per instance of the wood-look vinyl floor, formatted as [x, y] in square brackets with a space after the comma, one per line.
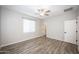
[40, 46]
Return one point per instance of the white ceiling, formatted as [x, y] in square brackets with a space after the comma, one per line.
[32, 9]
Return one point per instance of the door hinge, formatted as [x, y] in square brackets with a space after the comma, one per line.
[76, 40]
[76, 22]
[76, 31]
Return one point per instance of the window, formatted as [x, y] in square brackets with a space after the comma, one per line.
[28, 25]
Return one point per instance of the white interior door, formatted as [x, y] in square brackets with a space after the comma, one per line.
[70, 31]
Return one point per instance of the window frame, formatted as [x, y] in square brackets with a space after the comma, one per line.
[33, 26]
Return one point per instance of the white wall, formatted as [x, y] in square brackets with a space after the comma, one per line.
[12, 27]
[55, 25]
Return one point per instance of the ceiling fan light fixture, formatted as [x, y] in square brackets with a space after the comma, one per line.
[43, 12]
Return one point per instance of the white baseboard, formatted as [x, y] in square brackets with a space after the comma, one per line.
[17, 42]
[61, 40]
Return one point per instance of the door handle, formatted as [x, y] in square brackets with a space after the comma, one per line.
[65, 32]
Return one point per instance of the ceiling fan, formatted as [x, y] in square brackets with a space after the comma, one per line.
[43, 12]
